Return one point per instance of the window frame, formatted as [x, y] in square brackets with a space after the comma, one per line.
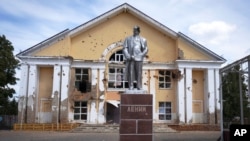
[82, 74]
[116, 62]
[81, 113]
[167, 116]
[162, 79]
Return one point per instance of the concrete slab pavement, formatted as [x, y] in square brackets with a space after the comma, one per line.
[9, 135]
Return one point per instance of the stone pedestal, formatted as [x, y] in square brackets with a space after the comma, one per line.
[136, 118]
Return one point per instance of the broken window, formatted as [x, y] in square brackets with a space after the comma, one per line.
[80, 110]
[165, 111]
[117, 57]
[116, 71]
[82, 80]
[164, 79]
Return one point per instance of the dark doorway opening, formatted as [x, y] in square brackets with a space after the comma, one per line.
[113, 114]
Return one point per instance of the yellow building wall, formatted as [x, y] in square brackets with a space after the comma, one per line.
[57, 48]
[45, 88]
[190, 53]
[165, 95]
[198, 91]
[90, 44]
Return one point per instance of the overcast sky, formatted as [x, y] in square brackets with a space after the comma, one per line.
[222, 26]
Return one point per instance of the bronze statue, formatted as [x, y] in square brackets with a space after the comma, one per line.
[134, 49]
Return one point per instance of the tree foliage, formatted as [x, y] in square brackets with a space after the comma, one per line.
[231, 95]
[8, 66]
[9, 108]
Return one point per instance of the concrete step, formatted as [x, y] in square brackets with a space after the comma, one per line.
[163, 128]
[114, 128]
[96, 128]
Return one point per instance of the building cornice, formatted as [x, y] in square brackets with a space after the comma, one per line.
[200, 64]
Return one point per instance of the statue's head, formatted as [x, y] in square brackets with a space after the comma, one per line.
[136, 30]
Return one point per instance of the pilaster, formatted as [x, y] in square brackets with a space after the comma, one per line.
[55, 92]
[181, 98]
[32, 97]
[211, 95]
[64, 106]
[153, 92]
[23, 92]
[189, 95]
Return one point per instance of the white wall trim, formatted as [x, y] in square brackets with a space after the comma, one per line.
[198, 64]
[88, 64]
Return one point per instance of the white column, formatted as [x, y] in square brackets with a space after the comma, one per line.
[56, 80]
[32, 96]
[65, 82]
[217, 95]
[101, 113]
[94, 76]
[23, 91]
[32, 89]
[189, 97]
[153, 92]
[64, 106]
[217, 89]
[211, 94]
[101, 77]
[55, 93]
[92, 115]
[181, 98]
[94, 103]
[24, 80]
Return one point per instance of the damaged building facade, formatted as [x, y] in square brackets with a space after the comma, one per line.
[77, 76]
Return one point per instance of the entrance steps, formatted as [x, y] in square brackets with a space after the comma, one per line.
[114, 128]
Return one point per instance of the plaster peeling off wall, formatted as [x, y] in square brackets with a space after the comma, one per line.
[21, 104]
[101, 117]
[92, 113]
[31, 102]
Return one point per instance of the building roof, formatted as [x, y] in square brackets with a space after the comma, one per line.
[111, 13]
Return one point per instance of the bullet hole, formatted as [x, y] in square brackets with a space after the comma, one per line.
[147, 56]
[83, 41]
[90, 35]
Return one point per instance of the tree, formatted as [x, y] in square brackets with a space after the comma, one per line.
[8, 66]
[231, 96]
